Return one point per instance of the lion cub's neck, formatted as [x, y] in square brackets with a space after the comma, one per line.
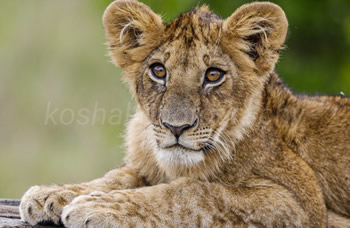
[282, 109]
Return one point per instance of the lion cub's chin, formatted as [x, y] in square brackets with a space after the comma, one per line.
[179, 156]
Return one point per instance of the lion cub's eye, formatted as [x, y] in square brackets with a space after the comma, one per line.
[158, 71]
[214, 76]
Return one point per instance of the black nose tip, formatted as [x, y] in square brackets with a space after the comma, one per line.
[178, 130]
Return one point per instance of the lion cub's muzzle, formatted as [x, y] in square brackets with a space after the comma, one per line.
[178, 126]
[185, 137]
[178, 130]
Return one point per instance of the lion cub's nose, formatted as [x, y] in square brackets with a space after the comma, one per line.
[178, 130]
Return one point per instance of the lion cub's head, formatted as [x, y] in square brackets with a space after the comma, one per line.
[199, 78]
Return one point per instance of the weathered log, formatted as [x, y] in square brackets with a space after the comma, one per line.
[9, 215]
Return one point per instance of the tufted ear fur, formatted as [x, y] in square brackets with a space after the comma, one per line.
[259, 30]
[132, 29]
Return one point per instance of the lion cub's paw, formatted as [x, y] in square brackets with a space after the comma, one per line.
[97, 210]
[44, 204]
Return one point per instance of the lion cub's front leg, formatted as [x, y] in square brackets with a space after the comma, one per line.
[45, 203]
[189, 203]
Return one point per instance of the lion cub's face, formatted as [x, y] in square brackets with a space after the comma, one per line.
[197, 79]
[186, 90]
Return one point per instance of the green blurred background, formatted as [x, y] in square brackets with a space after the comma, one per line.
[53, 61]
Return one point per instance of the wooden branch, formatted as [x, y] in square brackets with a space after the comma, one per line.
[9, 215]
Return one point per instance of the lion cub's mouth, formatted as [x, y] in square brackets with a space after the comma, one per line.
[180, 155]
[179, 146]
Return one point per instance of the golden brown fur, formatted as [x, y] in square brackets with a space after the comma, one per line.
[253, 154]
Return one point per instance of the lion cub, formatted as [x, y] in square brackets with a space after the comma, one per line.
[217, 140]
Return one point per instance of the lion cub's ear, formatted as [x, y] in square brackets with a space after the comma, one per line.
[259, 30]
[132, 30]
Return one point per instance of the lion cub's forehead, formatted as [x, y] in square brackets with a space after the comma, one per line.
[191, 37]
[197, 25]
